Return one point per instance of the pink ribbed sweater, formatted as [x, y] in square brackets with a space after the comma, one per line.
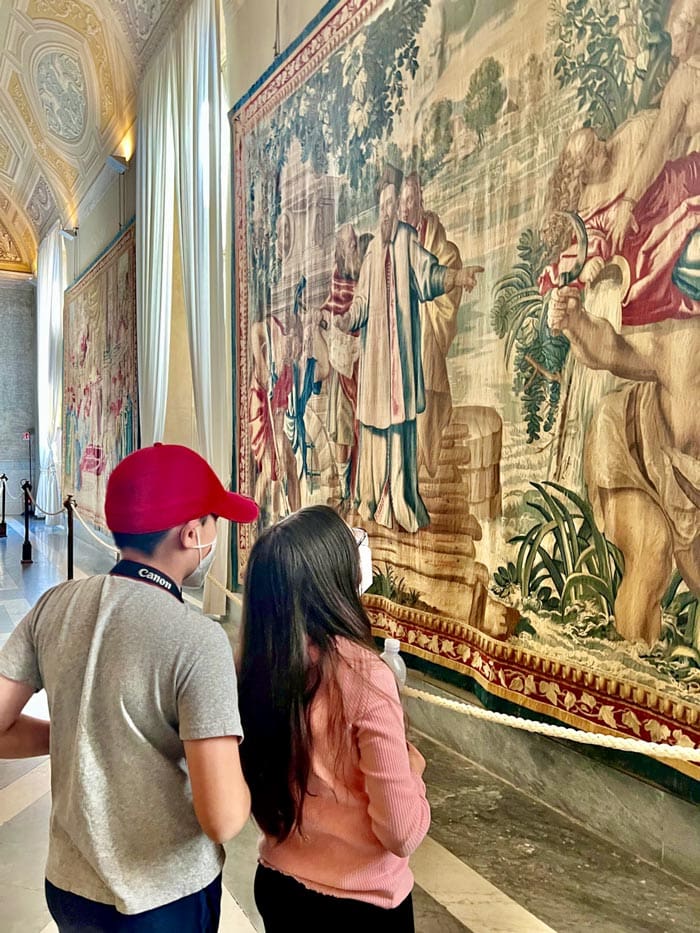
[363, 818]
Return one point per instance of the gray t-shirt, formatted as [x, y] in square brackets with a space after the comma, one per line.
[130, 672]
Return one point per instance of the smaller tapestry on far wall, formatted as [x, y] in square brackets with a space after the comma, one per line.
[100, 409]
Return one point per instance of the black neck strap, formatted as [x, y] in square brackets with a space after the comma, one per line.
[138, 571]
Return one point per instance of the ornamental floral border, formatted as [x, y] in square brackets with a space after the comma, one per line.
[572, 694]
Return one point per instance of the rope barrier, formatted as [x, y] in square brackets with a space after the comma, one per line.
[220, 586]
[602, 739]
[108, 547]
[654, 749]
[38, 508]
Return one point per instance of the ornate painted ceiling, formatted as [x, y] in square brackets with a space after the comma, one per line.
[68, 86]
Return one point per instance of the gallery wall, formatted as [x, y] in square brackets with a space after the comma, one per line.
[250, 36]
[108, 207]
[17, 385]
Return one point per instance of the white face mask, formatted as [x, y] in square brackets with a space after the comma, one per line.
[198, 575]
[365, 552]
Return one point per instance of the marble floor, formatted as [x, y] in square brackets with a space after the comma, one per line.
[495, 861]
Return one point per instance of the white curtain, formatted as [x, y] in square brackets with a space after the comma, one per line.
[155, 155]
[200, 195]
[50, 285]
[179, 162]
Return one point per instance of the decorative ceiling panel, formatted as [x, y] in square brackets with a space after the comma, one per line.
[41, 207]
[140, 16]
[68, 93]
[82, 18]
[145, 22]
[61, 83]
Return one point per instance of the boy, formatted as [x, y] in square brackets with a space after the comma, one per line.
[144, 732]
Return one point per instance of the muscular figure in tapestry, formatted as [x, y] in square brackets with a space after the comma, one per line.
[438, 324]
[677, 124]
[639, 191]
[397, 275]
[642, 450]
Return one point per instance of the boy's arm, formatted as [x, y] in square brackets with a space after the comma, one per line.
[20, 736]
[220, 795]
[210, 729]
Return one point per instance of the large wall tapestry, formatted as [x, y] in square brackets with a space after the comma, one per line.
[100, 413]
[467, 299]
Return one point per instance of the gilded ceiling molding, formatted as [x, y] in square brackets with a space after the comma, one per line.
[9, 251]
[13, 135]
[5, 152]
[81, 18]
[16, 244]
[16, 220]
[65, 172]
[30, 243]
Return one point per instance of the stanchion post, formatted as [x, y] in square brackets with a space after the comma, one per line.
[68, 505]
[3, 523]
[26, 545]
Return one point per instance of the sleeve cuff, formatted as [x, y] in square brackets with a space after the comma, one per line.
[214, 730]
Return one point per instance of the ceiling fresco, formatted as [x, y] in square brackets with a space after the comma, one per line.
[69, 72]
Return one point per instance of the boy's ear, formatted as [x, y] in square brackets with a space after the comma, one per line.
[188, 533]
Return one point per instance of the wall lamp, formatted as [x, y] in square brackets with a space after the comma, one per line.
[70, 233]
[117, 163]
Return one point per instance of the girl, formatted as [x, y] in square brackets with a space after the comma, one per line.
[336, 789]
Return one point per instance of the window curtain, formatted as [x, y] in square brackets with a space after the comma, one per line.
[155, 160]
[180, 167]
[50, 285]
[201, 192]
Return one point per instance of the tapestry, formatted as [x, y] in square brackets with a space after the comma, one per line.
[467, 290]
[100, 388]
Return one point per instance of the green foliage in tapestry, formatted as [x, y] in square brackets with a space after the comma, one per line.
[567, 568]
[563, 557]
[485, 97]
[387, 583]
[684, 607]
[617, 56]
[436, 138]
[677, 653]
[518, 316]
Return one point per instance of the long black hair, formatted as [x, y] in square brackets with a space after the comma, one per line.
[301, 588]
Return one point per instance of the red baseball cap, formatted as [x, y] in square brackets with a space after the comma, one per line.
[166, 485]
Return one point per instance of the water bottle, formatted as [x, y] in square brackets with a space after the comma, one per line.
[393, 659]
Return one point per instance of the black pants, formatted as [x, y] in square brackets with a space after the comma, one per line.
[285, 905]
[195, 913]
